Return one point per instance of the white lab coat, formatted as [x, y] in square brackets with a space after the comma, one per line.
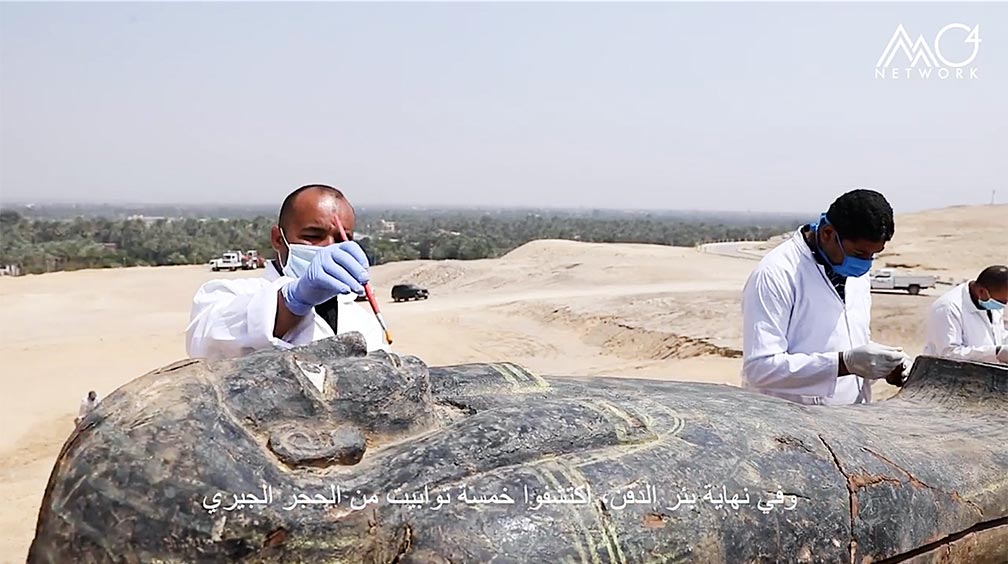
[86, 406]
[234, 317]
[957, 328]
[795, 325]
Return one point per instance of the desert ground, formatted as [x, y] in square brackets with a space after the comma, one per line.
[556, 307]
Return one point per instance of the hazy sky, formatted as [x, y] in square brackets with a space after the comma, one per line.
[686, 106]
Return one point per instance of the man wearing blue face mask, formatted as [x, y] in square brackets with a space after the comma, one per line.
[806, 309]
[967, 322]
[306, 294]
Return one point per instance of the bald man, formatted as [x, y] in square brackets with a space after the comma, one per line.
[967, 322]
[308, 293]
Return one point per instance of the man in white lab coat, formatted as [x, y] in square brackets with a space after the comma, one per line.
[806, 309]
[87, 405]
[967, 322]
[304, 295]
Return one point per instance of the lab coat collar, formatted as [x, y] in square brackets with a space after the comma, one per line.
[270, 273]
[803, 248]
[967, 302]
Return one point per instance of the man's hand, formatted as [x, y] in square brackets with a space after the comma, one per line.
[336, 269]
[874, 361]
[1002, 354]
[901, 374]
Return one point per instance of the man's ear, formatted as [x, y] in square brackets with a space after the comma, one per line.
[827, 233]
[276, 241]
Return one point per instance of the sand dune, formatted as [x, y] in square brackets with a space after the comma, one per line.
[556, 307]
[954, 242]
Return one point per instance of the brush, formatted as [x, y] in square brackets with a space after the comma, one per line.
[367, 290]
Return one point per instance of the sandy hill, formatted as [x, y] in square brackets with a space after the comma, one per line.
[954, 242]
[557, 307]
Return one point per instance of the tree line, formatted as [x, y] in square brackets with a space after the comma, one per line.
[39, 244]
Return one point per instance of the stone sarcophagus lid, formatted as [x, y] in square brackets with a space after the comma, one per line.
[327, 454]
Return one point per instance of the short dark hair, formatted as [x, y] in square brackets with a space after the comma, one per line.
[288, 204]
[994, 277]
[862, 215]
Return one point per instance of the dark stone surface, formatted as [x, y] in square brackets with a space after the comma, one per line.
[915, 478]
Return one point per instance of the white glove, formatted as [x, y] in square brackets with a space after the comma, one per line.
[874, 361]
[1002, 354]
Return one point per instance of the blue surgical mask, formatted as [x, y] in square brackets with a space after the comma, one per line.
[991, 304]
[851, 267]
[298, 257]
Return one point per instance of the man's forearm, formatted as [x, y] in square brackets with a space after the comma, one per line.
[793, 373]
[285, 320]
[984, 354]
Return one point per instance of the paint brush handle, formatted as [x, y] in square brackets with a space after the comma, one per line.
[370, 294]
[367, 290]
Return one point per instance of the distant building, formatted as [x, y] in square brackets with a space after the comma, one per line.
[386, 226]
[150, 219]
[10, 270]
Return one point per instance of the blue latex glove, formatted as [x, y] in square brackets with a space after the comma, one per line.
[336, 269]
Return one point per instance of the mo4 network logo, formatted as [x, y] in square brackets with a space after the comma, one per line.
[949, 56]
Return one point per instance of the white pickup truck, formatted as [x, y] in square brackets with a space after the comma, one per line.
[229, 260]
[889, 280]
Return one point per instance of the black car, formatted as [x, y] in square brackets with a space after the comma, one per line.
[405, 292]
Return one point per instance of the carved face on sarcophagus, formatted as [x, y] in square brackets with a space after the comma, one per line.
[327, 454]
